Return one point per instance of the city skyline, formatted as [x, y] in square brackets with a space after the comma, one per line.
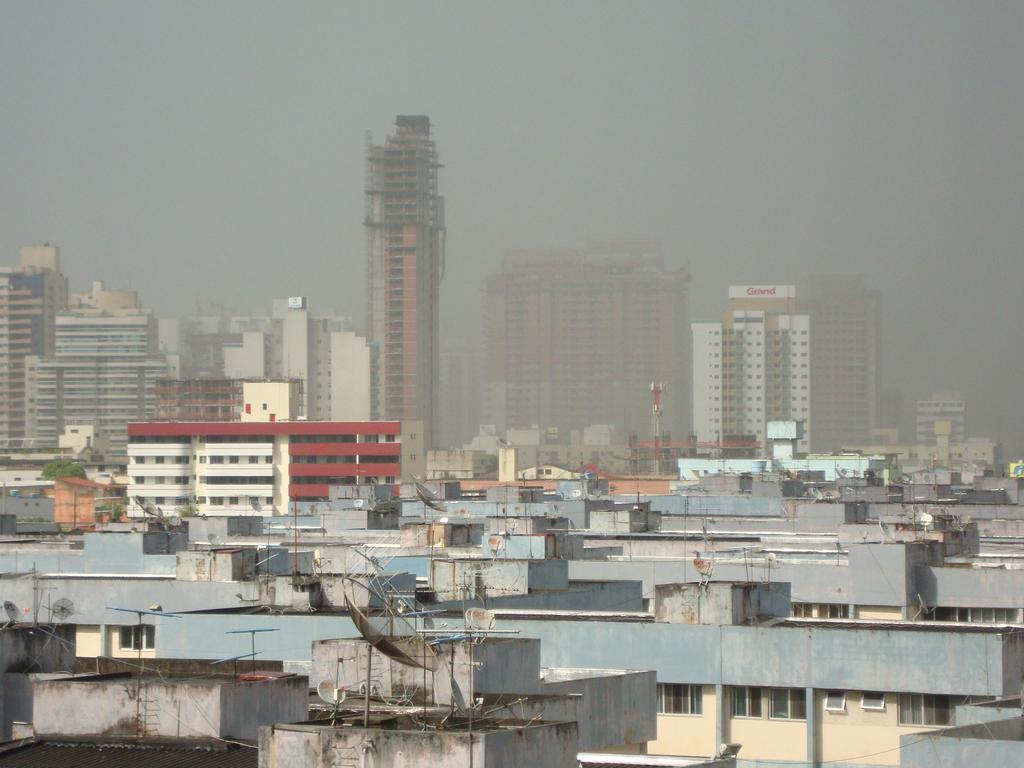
[739, 152]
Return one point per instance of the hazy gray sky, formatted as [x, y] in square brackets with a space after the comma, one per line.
[215, 150]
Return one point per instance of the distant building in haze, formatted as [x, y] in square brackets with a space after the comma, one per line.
[576, 338]
[405, 254]
[461, 380]
[846, 360]
[943, 413]
[753, 366]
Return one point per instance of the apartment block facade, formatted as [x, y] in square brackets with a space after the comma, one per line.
[405, 228]
[256, 467]
[102, 371]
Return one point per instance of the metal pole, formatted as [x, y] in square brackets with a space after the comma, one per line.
[138, 685]
[366, 704]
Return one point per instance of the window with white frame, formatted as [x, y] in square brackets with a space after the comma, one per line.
[874, 700]
[787, 704]
[138, 638]
[745, 701]
[680, 699]
[835, 701]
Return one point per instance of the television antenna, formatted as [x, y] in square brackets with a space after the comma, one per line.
[252, 637]
[139, 638]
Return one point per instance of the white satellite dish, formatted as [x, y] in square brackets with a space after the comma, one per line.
[12, 611]
[479, 619]
[173, 521]
[442, 520]
[358, 503]
[329, 692]
[214, 539]
[577, 493]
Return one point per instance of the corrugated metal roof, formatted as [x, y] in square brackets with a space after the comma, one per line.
[115, 755]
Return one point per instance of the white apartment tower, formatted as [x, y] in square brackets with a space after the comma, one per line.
[752, 367]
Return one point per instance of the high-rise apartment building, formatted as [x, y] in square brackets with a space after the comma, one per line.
[31, 294]
[753, 366]
[846, 351]
[405, 254]
[576, 338]
[101, 372]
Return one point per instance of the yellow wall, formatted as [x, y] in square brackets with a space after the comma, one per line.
[880, 612]
[861, 735]
[687, 734]
[765, 739]
[87, 640]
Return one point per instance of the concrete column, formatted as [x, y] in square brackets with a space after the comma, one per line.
[104, 640]
[812, 727]
[719, 716]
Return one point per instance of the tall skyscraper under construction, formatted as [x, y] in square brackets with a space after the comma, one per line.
[405, 254]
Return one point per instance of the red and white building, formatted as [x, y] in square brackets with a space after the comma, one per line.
[260, 467]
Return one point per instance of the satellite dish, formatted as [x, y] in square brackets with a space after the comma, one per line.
[329, 692]
[703, 566]
[12, 611]
[496, 543]
[480, 619]
[254, 502]
[442, 520]
[358, 503]
[214, 539]
[62, 609]
[173, 521]
[577, 493]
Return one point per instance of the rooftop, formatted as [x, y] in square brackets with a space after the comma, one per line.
[114, 753]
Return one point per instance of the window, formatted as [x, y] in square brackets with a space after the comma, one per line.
[924, 709]
[233, 459]
[138, 638]
[835, 701]
[787, 704]
[872, 700]
[676, 699]
[159, 459]
[746, 702]
[216, 459]
[254, 459]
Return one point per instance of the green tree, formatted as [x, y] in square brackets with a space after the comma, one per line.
[62, 468]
